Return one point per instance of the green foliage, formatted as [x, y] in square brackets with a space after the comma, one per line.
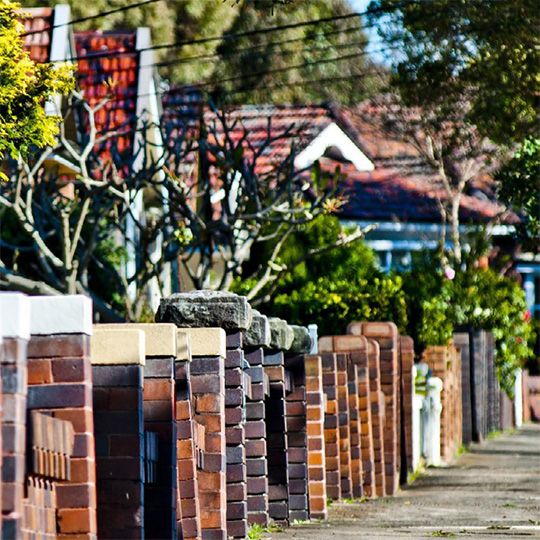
[519, 182]
[24, 88]
[188, 20]
[484, 51]
[305, 45]
[478, 298]
[334, 288]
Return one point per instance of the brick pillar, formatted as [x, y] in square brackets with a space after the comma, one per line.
[331, 425]
[386, 335]
[281, 338]
[188, 446]
[204, 309]
[296, 413]
[255, 338]
[315, 437]
[207, 377]
[15, 330]
[444, 363]
[407, 393]
[276, 429]
[237, 385]
[160, 501]
[362, 460]
[118, 359]
[343, 422]
[376, 398]
[60, 381]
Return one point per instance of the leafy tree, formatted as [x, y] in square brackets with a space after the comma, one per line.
[477, 297]
[483, 51]
[111, 226]
[315, 47]
[339, 284]
[453, 151]
[519, 181]
[25, 88]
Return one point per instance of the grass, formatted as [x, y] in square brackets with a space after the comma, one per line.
[329, 502]
[443, 534]
[494, 434]
[300, 522]
[414, 475]
[509, 505]
[461, 450]
[256, 531]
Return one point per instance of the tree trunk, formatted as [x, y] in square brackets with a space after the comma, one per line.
[454, 224]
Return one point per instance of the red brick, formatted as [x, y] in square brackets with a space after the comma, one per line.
[70, 496]
[76, 520]
[71, 370]
[209, 403]
[39, 371]
[155, 389]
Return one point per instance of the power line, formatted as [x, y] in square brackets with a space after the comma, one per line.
[284, 52]
[271, 44]
[236, 35]
[257, 74]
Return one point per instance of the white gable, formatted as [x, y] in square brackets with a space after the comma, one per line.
[334, 136]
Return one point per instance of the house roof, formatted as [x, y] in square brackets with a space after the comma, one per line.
[399, 188]
[113, 75]
[38, 27]
[385, 195]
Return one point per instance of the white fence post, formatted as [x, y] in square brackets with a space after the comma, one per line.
[518, 398]
[433, 428]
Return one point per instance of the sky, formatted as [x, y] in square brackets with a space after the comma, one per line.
[360, 6]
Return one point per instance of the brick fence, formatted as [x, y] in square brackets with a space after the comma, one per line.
[202, 424]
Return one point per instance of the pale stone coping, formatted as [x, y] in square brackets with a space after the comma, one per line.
[183, 345]
[110, 346]
[160, 338]
[15, 315]
[70, 314]
[207, 341]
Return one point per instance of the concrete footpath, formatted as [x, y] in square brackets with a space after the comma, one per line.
[492, 491]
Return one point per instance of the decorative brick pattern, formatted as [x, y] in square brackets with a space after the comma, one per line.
[60, 381]
[256, 451]
[276, 440]
[315, 437]
[39, 520]
[331, 427]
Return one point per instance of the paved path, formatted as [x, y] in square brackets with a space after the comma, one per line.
[493, 491]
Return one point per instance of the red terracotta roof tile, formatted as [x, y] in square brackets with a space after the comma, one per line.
[401, 187]
[114, 77]
[38, 44]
